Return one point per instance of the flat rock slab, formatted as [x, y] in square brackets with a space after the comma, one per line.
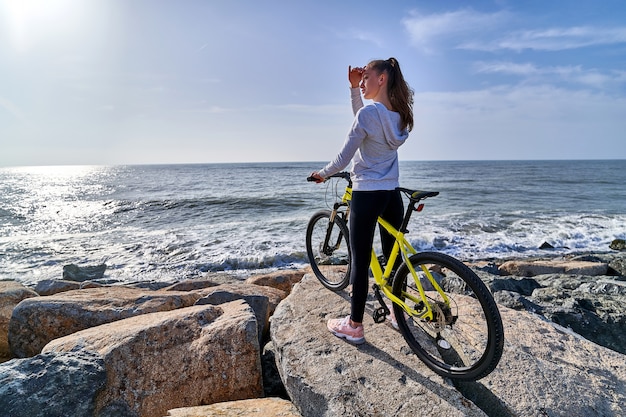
[258, 407]
[545, 370]
[525, 268]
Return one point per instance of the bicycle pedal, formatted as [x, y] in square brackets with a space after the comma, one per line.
[379, 315]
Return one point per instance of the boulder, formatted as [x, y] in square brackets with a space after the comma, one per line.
[282, 280]
[594, 307]
[618, 244]
[55, 286]
[160, 361]
[51, 384]
[523, 286]
[258, 407]
[36, 321]
[325, 376]
[545, 369]
[524, 268]
[11, 294]
[258, 303]
[548, 370]
[83, 273]
[262, 299]
[618, 265]
[274, 296]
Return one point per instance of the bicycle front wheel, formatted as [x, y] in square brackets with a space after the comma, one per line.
[328, 249]
[465, 337]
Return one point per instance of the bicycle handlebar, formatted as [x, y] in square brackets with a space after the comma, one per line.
[413, 195]
[343, 174]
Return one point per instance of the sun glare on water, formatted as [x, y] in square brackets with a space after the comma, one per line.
[59, 199]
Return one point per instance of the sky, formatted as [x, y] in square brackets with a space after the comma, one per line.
[104, 82]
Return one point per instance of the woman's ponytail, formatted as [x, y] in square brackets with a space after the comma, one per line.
[400, 94]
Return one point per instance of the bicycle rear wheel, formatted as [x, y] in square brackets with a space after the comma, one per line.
[328, 249]
[465, 339]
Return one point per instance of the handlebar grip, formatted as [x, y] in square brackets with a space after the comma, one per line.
[311, 179]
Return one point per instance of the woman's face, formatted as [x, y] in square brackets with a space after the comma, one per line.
[370, 83]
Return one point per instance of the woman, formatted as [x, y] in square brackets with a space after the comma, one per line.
[378, 130]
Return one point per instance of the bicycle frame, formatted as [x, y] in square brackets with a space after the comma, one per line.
[403, 248]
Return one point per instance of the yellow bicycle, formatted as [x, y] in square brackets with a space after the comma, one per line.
[444, 311]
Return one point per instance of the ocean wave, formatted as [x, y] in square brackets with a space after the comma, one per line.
[175, 222]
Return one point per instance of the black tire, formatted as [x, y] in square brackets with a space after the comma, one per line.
[466, 341]
[329, 257]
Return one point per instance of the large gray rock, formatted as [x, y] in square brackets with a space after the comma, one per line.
[545, 370]
[263, 300]
[160, 361]
[73, 272]
[618, 264]
[36, 321]
[51, 385]
[618, 244]
[325, 376]
[592, 306]
[274, 295]
[258, 303]
[55, 286]
[283, 280]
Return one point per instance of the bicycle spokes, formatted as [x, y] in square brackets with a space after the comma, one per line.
[327, 244]
[453, 325]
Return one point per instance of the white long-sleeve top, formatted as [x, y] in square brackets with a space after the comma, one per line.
[372, 147]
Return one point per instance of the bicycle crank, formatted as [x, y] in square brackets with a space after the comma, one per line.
[380, 314]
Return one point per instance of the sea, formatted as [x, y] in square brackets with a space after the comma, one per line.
[173, 222]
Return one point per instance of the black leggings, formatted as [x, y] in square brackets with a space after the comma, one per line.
[365, 208]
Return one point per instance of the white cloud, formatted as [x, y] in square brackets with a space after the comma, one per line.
[472, 30]
[558, 39]
[552, 39]
[427, 31]
[503, 67]
[570, 74]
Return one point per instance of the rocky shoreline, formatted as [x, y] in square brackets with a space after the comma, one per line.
[222, 346]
